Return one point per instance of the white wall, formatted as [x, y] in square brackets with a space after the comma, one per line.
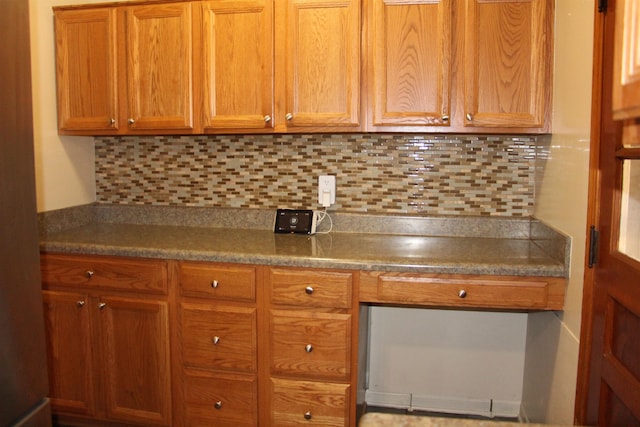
[65, 171]
[561, 202]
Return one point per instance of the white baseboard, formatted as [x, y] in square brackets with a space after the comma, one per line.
[451, 405]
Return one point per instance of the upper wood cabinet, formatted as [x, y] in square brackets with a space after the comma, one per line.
[125, 69]
[459, 65]
[317, 64]
[86, 70]
[626, 81]
[234, 47]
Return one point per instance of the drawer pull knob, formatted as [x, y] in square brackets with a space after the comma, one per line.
[308, 290]
[80, 303]
[307, 415]
[215, 340]
[218, 404]
[89, 274]
[308, 348]
[214, 284]
[462, 293]
[102, 305]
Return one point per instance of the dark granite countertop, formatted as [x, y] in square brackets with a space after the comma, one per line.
[505, 247]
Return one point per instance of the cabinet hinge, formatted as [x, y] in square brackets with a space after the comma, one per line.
[593, 246]
[602, 5]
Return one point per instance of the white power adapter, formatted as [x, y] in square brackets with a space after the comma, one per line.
[326, 190]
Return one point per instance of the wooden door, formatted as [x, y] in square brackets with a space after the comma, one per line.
[135, 352]
[318, 64]
[86, 70]
[409, 61]
[158, 67]
[69, 352]
[235, 49]
[608, 392]
[508, 57]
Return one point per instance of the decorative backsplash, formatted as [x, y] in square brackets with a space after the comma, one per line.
[375, 173]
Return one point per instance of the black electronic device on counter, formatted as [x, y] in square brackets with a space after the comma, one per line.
[297, 221]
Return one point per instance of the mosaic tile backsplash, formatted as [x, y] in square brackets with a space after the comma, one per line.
[375, 173]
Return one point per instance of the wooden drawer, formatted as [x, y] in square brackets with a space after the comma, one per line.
[502, 292]
[219, 337]
[220, 400]
[139, 275]
[227, 282]
[311, 288]
[295, 403]
[327, 334]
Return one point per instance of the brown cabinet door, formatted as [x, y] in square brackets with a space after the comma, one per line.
[318, 64]
[507, 63]
[135, 355]
[69, 352]
[158, 67]
[626, 80]
[86, 70]
[409, 62]
[235, 52]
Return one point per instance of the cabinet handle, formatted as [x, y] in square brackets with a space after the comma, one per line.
[267, 118]
[131, 121]
[462, 293]
[215, 340]
[102, 305]
[288, 116]
[309, 290]
[80, 303]
[112, 122]
[308, 348]
[89, 274]
[214, 284]
[307, 415]
[218, 404]
[445, 118]
[469, 117]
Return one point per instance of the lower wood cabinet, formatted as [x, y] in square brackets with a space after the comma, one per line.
[108, 351]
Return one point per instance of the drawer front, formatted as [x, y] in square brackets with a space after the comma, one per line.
[310, 345]
[219, 337]
[220, 400]
[463, 292]
[311, 288]
[295, 403]
[147, 276]
[227, 282]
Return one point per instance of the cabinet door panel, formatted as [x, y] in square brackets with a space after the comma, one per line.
[86, 70]
[159, 66]
[135, 348]
[69, 355]
[508, 57]
[322, 54]
[410, 47]
[237, 64]
[626, 82]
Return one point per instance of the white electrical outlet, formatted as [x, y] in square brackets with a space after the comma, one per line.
[326, 190]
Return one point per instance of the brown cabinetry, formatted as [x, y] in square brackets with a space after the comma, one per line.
[107, 323]
[217, 342]
[311, 322]
[125, 69]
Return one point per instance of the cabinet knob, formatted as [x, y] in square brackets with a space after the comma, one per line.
[308, 348]
[214, 284]
[131, 121]
[307, 415]
[80, 303]
[267, 118]
[445, 118]
[218, 404]
[89, 274]
[112, 122]
[469, 117]
[309, 290]
[102, 305]
[462, 293]
[215, 340]
[288, 116]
